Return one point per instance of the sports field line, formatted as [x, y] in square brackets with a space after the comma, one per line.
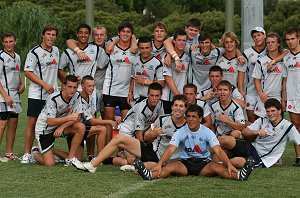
[129, 189]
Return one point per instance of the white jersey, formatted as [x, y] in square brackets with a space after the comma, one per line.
[204, 105]
[194, 144]
[235, 94]
[161, 143]
[96, 57]
[159, 53]
[200, 66]
[192, 42]
[230, 68]
[118, 73]
[180, 78]
[292, 64]
[88, 109]
[140, 117]
[56, 107]
[44, 64]
[252, 56]
[234, 112]
[271, 80]
[266, 145]
[10, 75]
[149, 70]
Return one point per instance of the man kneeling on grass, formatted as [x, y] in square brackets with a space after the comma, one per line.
[59, 117]
[194, 140]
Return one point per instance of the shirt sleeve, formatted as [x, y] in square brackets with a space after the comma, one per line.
[256, 125]
[239, 116]
[64, 60]
[257, 72]
[31, 62]
[102, 59]
[294, 136]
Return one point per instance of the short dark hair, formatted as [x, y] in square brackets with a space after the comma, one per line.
[70, 78]
[8, 34]
[87, 77]
[155, 86]
[225, 83]
[193, 22]
[84, 25]
[50, 27]
[204, 36]
[272, 102]
[125, 25]
[291, 30]
[181, 98]
[190, 85]
[144, 39]
[195, 108]
[179, 32]
[215, 68]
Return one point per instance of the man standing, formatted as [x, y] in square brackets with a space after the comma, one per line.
[252, 54]
[11, 86]
[41, 68]
[292, 64]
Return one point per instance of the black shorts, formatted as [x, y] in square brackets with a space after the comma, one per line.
[86, 133]
[195, 165]
[113, 101]
[147, 153]
[45, 142]
[167, 106]
[35, 107]
[8, 114]
[245, 149]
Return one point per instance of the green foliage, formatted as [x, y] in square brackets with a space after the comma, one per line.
[27, 21]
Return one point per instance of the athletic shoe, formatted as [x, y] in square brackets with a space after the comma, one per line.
[247, 169]
[10, 156]
[78, 164]
[69, 161]
[90, 158]
[58, 159]
[297, 162]
[3, 159]
[142, 170]
[128, 168]
[26, 158]
[89, 167]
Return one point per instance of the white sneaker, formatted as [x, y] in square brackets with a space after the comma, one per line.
[26, 158]
[128, 168]
[3, 159]
[78, 164]
[58, 159]
[89, 167]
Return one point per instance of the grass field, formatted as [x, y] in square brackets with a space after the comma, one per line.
[33, 180]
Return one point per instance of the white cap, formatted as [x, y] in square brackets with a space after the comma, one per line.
[257, 29]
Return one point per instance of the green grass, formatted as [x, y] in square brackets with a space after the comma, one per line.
[33, 180]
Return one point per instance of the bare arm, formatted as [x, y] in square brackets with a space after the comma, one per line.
[207, 121]
[171, 84]
[283, 94]
[150, 135]
[247, 132]
[241, 79]
[139, 135]
[21, 86]
[96, 121]
[72, 44]
[61, 75]
[58, 121]
[6, 97]
[235, 125]
[262, 95]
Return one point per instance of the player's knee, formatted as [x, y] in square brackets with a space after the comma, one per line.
[79, 127]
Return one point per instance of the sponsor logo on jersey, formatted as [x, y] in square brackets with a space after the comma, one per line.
[182, 67]
[275, 69]
[158, 56]
[126, 60]
[230, 70]
[197, 149]
[92, 51]
[54, 62]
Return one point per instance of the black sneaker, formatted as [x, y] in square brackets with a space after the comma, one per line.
[297, 162]
[142, 170]
[247, 169]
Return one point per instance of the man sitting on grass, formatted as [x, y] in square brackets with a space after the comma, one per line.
[195, 142]
[271, 133]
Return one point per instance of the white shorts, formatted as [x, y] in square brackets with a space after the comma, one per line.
[293, 106]
[250, 102]
[16, 108]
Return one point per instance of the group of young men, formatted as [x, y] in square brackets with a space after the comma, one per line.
[181, 100]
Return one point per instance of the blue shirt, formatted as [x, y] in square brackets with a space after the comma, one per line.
[194, 144]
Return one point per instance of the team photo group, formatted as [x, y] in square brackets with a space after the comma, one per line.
[156, 106]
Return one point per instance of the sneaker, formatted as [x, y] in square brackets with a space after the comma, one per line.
[10, 156]
[58, 159]
[128, 168]
[297, 162]
[249, 165]
[90, 158]
[78, 164]
[142, 170]
[89, 167]
[3, 159]
[26, 158]
[69, 161]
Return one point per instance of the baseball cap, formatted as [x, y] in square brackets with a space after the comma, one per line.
[257, 29]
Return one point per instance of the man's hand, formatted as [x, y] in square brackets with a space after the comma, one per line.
[224, 117]
[263, 97]
[231, 169]
[139, 79]
[82, 56]
[261, 133]
[194, 46]
[156, 168]
[57, 133]
[114, 124]
[241, 60]
[9, 101]
[21, 88]
[168, 60]
[129, 98]
[48, 88]
[74, 116]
